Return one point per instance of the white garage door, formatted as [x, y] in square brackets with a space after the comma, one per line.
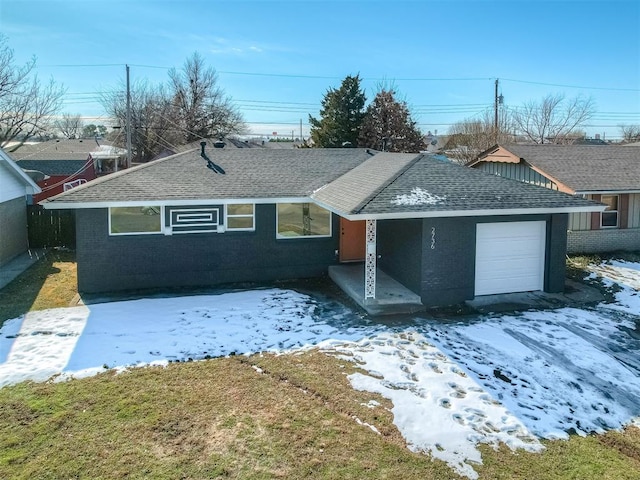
[510, 257]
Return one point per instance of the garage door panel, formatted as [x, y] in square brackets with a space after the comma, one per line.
[514, 269]
[510, 257]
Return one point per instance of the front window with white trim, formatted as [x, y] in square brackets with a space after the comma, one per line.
[609, 218]
[294, 220]
[135, 220]
[241, 217]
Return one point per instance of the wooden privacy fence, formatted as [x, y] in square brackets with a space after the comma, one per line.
[51, 228]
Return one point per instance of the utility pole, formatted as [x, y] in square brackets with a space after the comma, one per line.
[495, 117]
[301, 139]
[128, 121]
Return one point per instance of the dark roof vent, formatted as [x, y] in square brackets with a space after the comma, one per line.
[210, 165]
[219, 144]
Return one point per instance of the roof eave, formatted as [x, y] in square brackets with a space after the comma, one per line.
[59, 205]
[471, 213]
[31, 187]
[608, 191]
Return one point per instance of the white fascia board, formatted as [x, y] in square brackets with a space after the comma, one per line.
[471, 213]
[606, 192]
[461, 213]
[31, 187]
[58, 205]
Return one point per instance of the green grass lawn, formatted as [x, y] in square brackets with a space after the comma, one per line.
[220, 418]
[258, 417]
[49, 283]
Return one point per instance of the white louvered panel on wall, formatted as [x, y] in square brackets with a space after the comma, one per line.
[634, 210]
[579, 221]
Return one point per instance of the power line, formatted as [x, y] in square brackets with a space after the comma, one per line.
[571, 86]
[326, 77]
[82, 65]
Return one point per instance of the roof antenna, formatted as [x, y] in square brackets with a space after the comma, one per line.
[210, 164]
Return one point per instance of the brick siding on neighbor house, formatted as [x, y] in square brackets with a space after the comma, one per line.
[13, 228]
[604, 240]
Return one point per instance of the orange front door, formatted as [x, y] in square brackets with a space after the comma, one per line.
[352, 240]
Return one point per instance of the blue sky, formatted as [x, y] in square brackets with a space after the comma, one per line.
[277, 59]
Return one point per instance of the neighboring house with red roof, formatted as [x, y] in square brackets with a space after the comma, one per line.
[442, 232]
[602, 173]
[59, 165]
[15, 187]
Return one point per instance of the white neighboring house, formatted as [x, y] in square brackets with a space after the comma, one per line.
[15, 186]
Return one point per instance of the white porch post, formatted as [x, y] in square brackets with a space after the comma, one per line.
[370, 261]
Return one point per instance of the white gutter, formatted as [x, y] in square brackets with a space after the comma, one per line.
[471, 213]
[369, 216]
[171, 203]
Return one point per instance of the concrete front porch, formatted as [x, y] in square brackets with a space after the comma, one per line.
[392, 298]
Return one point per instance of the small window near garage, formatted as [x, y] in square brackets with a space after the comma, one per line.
[241, 217]
[296, 220]
[135, 220]
[609, 218]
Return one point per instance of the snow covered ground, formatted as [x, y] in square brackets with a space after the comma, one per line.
[454, 384]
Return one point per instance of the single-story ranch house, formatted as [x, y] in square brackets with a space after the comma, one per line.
[203, 217]
[609, 174]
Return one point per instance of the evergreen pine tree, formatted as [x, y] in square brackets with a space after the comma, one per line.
[340, 117]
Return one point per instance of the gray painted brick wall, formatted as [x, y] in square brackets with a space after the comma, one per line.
[110, 263]
[13, 228]
[399, 246]
[556, 263]
[604, 240]
[447, 262]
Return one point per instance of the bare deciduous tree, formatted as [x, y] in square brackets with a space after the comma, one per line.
[472, 136]
[554, 119]
[630, 133]
[26, 105]
[70, 126]
[153, 128]
[191, 106]
[202, 108]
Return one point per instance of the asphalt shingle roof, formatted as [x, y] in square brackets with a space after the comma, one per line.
[355, 187]
[59, 157]
[251, 173]
[585, 168]
[57, 150]
[349, 181]
[54, 167]
[433, 185]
